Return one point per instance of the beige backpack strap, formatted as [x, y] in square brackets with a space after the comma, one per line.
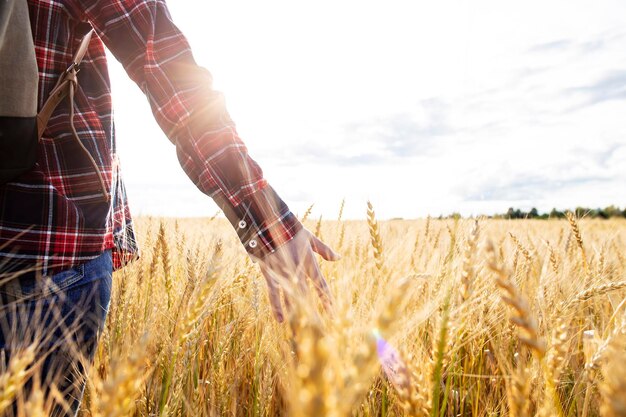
[61, 89]
[82, 48]
[65, 87]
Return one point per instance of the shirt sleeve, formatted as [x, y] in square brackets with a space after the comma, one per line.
[157, 57]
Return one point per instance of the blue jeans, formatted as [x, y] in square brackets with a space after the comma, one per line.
[63, 316]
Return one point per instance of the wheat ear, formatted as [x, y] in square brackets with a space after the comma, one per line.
[12, 381]
[165, 260]
[613, 386]
[377, 242]
[579, 239]
[121, 388]
[307, 213]
[522, 316]
[467, 274]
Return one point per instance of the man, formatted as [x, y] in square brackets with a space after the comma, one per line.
[67, 221]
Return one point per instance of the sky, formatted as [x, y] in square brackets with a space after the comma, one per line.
[424, 108]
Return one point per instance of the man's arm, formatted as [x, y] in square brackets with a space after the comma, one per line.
[157, 57]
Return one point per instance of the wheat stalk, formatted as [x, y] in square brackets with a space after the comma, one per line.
[467, 273]
[518, 393]
[522, 316]
[35, 405]
[165, 260]
[579, 240]
[307, 213]
[555, 360]
[613, 386]
[13, 379]
[318, 229]
[341, 207]
[410, 381]
[376, 240]
[593, 359]
[589, 293]
[598, 290]
[554, 261]
[118, 393]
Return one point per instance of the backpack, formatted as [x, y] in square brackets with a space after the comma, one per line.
[21, 126]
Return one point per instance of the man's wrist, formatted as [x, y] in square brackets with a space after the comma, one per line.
[263, 222]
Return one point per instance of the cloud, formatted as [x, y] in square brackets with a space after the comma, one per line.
[406, 134]
[570, 74]
[579, 168]
[533, 187]
[592, 44]
[612, 86]
[312, 153]
[601, 157]
[603, 41]
[549, 47]
[422, 131]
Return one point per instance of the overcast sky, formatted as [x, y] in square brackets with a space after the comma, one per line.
[421, 107]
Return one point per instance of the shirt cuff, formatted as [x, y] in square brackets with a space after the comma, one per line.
[262, 220]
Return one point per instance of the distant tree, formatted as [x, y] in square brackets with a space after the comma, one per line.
[556, 214]
[599, 213]
[594, 213]
[612, 211]
[510, 213]
[581, 212]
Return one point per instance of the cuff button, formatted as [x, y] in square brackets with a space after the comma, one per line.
[242, 224]
[252, 243]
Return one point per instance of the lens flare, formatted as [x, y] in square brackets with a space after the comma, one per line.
[390, 360]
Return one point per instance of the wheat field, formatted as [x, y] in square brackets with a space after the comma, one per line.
[431, 318]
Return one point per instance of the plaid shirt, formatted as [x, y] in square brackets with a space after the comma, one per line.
[54, 216]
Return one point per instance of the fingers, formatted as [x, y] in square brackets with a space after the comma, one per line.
[320, 284]
[300, 276]
[281, 281]
[287, 269]
[323, 249]
[274, 294]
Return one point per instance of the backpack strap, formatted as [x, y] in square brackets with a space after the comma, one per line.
[65, 87]
[62, 87]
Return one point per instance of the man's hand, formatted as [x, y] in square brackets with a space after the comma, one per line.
[289, 266]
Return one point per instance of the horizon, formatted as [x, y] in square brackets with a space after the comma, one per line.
[586, 211]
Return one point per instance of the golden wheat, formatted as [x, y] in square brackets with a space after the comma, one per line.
[442, 344]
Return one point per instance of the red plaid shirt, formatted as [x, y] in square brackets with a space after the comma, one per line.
[54, 215]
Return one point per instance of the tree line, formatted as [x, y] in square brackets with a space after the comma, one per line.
[580, 212]
[589, 213]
